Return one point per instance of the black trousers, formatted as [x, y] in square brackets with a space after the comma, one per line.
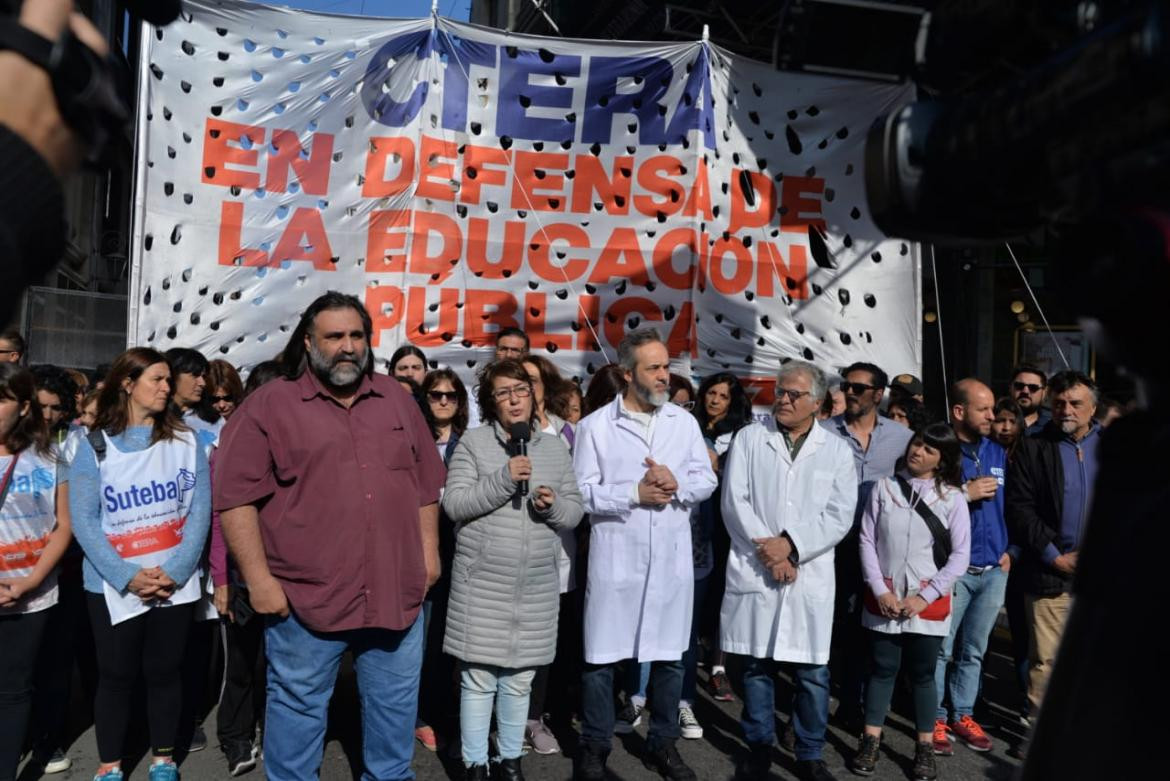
[563, 676]
[438, 701]
[152, 644]
[200, 685]
[242, 703]
[68, 640]
[20, 641]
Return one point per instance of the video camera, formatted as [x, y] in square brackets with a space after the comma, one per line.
[1068, 116]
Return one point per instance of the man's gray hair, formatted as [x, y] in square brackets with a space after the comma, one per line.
[819, 380]
[635, 339]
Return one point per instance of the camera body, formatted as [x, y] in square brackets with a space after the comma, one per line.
[1083, 130]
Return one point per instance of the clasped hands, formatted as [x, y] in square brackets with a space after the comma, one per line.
[152, 583]
[657, 486]
[13, 589]
[894, 608]
[774, 553]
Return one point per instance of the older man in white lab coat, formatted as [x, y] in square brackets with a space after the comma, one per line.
[642, 465]
[789, 492]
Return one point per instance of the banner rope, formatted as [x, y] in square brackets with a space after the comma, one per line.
[942, 352]
[1040, 309]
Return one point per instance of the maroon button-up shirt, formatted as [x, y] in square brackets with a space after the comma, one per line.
[339, 492]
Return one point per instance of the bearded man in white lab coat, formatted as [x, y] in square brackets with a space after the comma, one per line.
[642, 465]
[789, 492]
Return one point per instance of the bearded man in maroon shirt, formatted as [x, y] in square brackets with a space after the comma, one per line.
[328, 485]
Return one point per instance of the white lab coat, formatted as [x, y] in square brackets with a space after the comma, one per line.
[812, 499]
[640, 584]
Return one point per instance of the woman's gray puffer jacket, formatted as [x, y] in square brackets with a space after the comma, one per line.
[504, 580]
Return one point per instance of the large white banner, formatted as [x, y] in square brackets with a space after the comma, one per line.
[459, 179]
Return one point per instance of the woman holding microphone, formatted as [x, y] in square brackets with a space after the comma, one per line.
[502, 617]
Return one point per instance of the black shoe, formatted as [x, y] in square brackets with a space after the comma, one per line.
[813, 770]
[665, 760]
[475, 773]
[241, 757]
[757, 764]
[509, 770]
[924, 766]
[589, 764]
[868, 754]
[198, 740]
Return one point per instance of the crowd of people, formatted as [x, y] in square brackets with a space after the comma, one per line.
[525, 553]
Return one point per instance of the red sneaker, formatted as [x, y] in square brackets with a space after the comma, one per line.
[941, 742]
[720, 687]
[968, 730]
[426, 737]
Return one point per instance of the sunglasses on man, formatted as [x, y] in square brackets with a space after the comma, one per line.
[1028, 386]
[858, 388]
[792, 395]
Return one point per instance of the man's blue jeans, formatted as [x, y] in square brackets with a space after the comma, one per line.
[974, 609]
[302, 669]
[810, 705]
[598, 710]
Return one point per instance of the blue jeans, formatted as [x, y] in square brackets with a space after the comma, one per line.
[480, 686]
[810, 705]
[636, 677]
[598, 711]
[302, 669]
[974, 608]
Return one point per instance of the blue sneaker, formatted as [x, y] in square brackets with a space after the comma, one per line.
[109, 775]
[164, 771]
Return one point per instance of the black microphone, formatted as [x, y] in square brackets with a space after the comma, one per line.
[521, 433]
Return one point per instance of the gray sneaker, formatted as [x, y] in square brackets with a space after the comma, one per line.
[540, 739]
[689, 727]
[629, 718]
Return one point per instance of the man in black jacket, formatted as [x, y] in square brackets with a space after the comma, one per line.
[1049, 492]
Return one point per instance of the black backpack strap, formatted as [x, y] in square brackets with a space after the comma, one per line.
[98, 442]
[942, 538]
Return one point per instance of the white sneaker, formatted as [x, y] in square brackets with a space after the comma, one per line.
[58, 762]
[688, 725]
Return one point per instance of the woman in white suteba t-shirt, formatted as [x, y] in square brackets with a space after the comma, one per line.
[34, 533]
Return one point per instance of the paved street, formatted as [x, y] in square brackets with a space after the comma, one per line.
[713, 757]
